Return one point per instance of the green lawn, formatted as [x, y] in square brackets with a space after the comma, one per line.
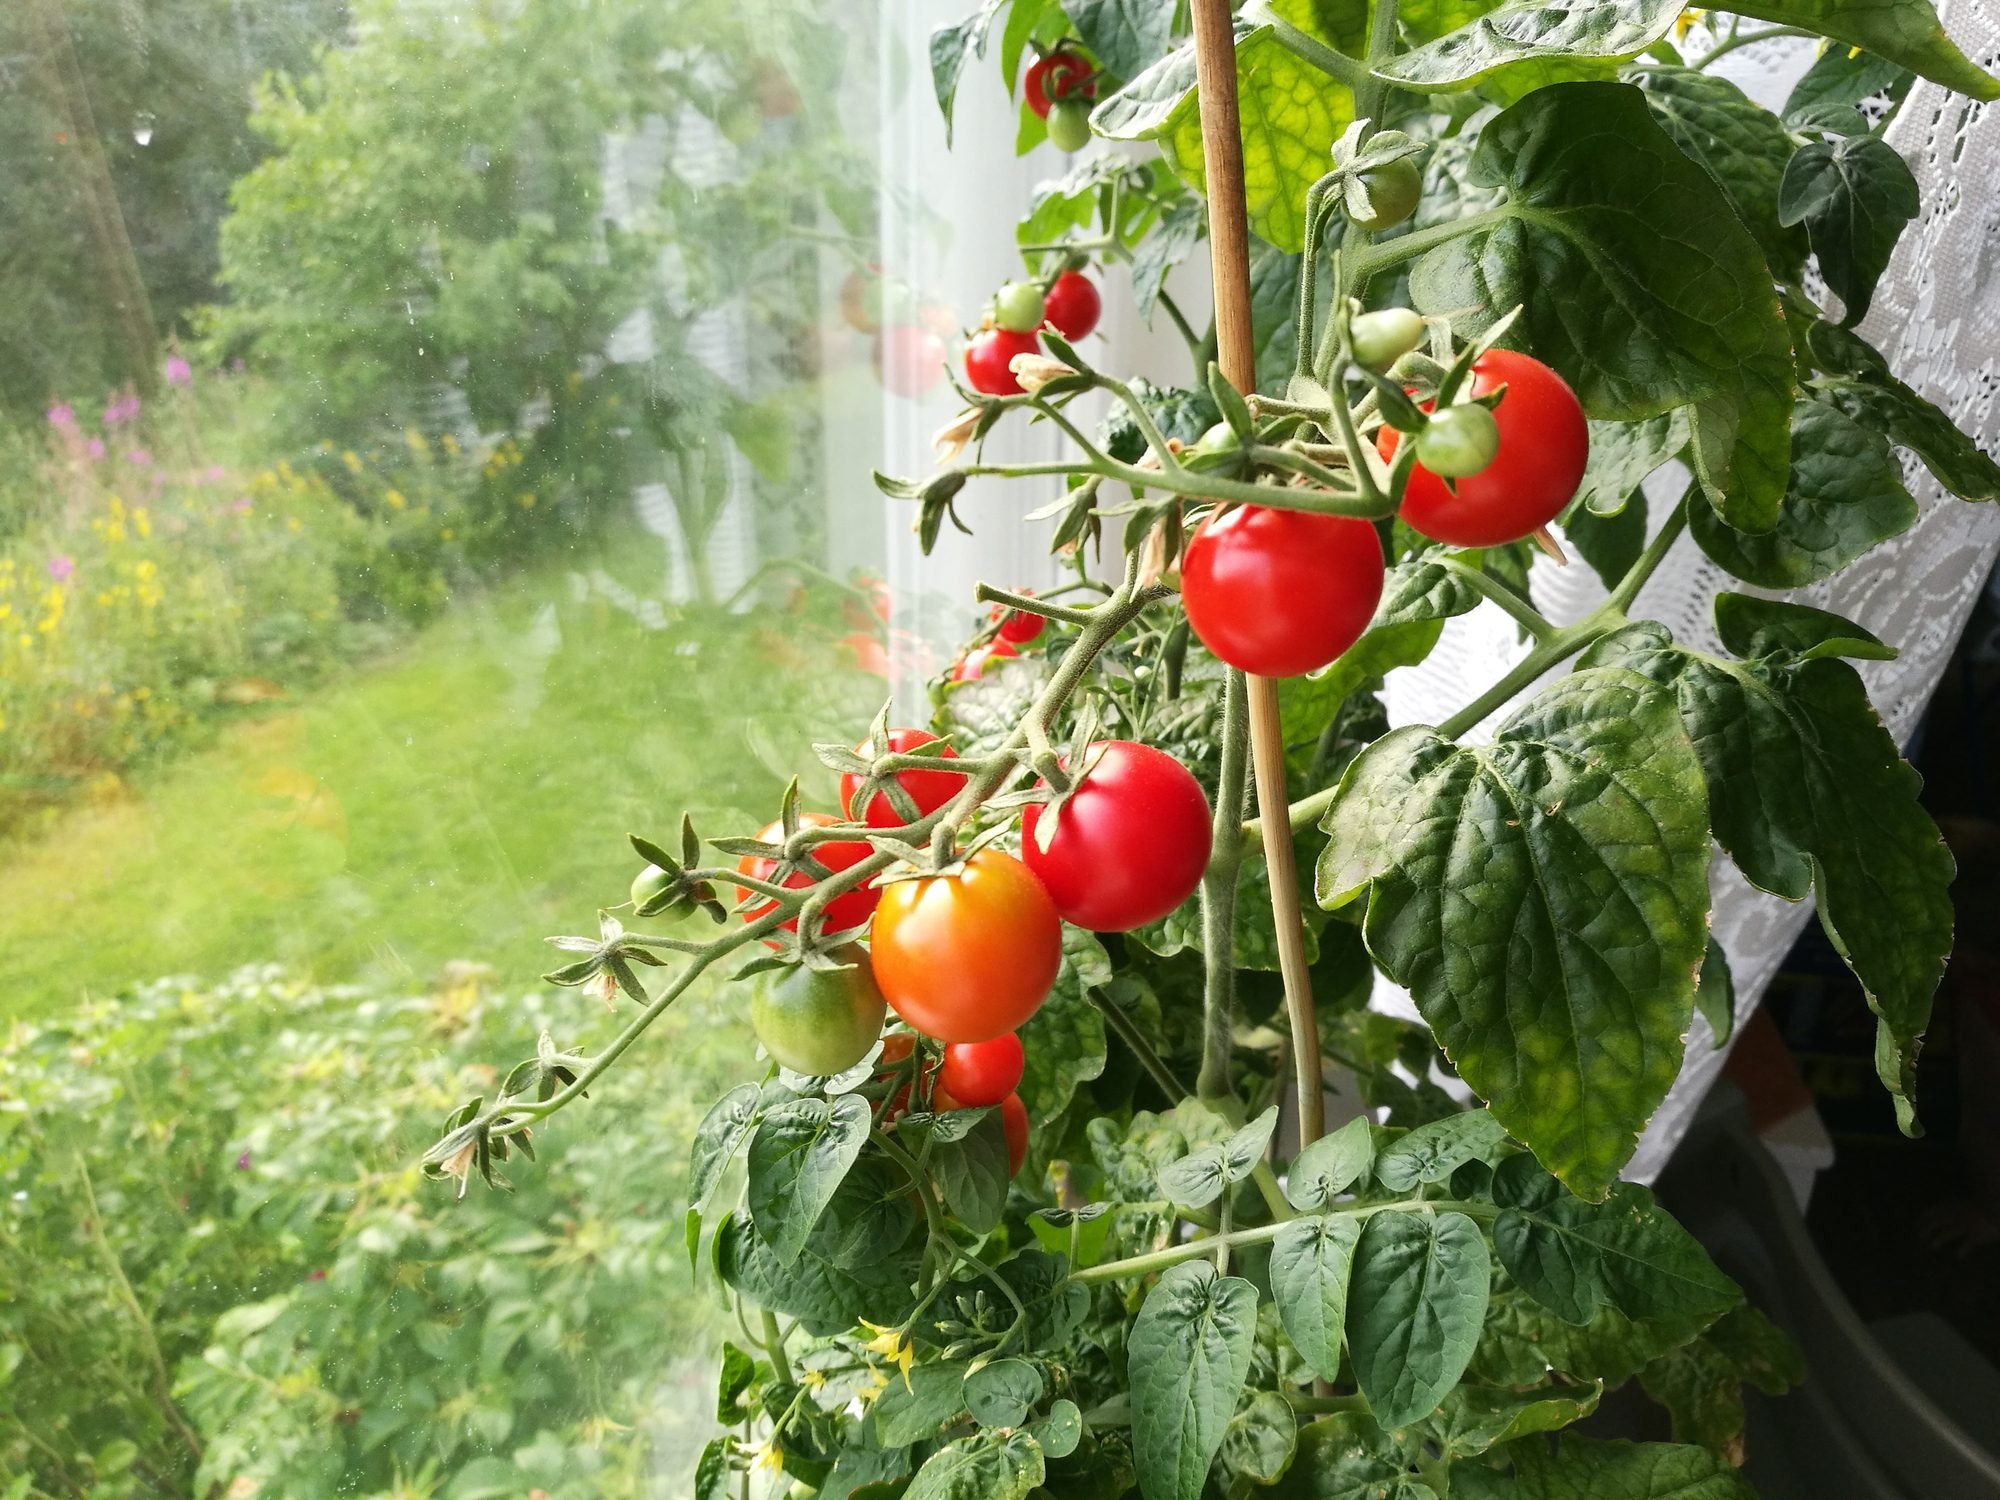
[461, 799]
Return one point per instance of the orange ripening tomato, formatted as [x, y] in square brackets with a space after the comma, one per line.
[969, 956]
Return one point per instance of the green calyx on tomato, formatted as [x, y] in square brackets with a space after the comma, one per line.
[1393, 190]
[1017, 307]
[818, 1021]
[1069, 125]
[1459, 441]
[1220, 451]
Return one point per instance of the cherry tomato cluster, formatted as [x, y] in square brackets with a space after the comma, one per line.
[1278, 593]
[1070, 304]
[1060, 87]
[908, 331]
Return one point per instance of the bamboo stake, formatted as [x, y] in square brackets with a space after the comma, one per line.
[1229, 247]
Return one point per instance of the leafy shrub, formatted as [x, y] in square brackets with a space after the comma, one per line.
[324, 1322]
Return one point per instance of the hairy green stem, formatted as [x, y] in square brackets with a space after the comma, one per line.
[1747, 39]
[1386, 253]
[1135, 1039]
[1336, 64]
[1525, 614]
[1262, 1234]
[774, 1345]
[1197, 352]
[1218, 898]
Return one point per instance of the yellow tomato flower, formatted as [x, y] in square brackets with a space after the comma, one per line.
[891, 1344]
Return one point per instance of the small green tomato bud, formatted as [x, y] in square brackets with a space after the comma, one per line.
[1017, 307]
[1458, 441]
[1379, 339]
[1393, 190]
[1069, 124]
[1219, 448]
[648, 883]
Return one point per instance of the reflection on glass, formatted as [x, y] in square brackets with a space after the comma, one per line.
[414, 434]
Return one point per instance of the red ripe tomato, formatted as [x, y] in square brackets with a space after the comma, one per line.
[930, 790]
[1014, 1120]
[969, 956]
[1544, 442]
[1073, 305]
[1060, 75]
[1280, 592]
[978, 1074]
[848, 909]
[987, 358]
[1131, 843]
[972, 666]
[1016, 625]
[910, 360]
[867, 652]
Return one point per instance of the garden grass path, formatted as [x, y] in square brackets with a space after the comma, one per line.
[460, 799]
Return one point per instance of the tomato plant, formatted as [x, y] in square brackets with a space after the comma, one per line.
[818, 1021]
[927, 790]
[1130, 843]
[848, 910]
[1073, 305]
[1540, 445]
[970, 955]
[989, 357]
[1280, 592]
[982, 1073]
[1176, 1299]
[909, 359]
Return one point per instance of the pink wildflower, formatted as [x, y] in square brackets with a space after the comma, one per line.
[61, 567]
[178, 371]
[62, 415]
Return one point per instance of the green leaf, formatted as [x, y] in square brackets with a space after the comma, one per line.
[1291, 113]
[712, 1477]
[828, 1297]
[801, 1152]
[1622, 454]
[1310, 1263]
[1060, 1430]
[1417, 1297]
[1740, 144]
[732, 1384]
[721, 1132]
[1609, 543]
[1902, 31]
[972, 1173]
[1348, 1457]
[1715, 993]
[1127, 36]
[1845, 495]
[986, 1466]
[1545, 901]
[1808, 793]
[1532, 31]
[1881, 403]
[1473, 1418]
[1431, 1153]
[1200, 1177]
[1003, 1393]
[1750, 626]
[1855, 196]
[1578, 1468]
[1274, 301]
[1573, 232]
[914, 1411]
[1258, 1443]
[1624, 1253]
[859, 1471]
[1845, 77]
[1063, 1041]
[1523, 1341]
[1187, 1358]
[951, 45]
[1330, 1165]
[1171, 241]
[1027, 20]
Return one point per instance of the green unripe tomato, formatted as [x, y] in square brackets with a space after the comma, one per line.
[742, 120]
[1379, 339]
[647, 884]
[1459, 441]
[1069, 124]
[1393, 190]
[1017, 307]
[818, 1021]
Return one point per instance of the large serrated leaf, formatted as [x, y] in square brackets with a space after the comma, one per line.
[801, 1152]
[1740, 144]
[1310, 1263]
[1574, 232]
[1624, 1253]
[1578, 1468]
[1349, 1457]
[1845, 494]
[1808, 794]
[826, 1297]
[1417, 1297]
[1545, 900]
[1522, 31]
[1187, 1357]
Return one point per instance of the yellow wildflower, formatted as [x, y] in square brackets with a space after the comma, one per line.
[352, 460]
[395, 499]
